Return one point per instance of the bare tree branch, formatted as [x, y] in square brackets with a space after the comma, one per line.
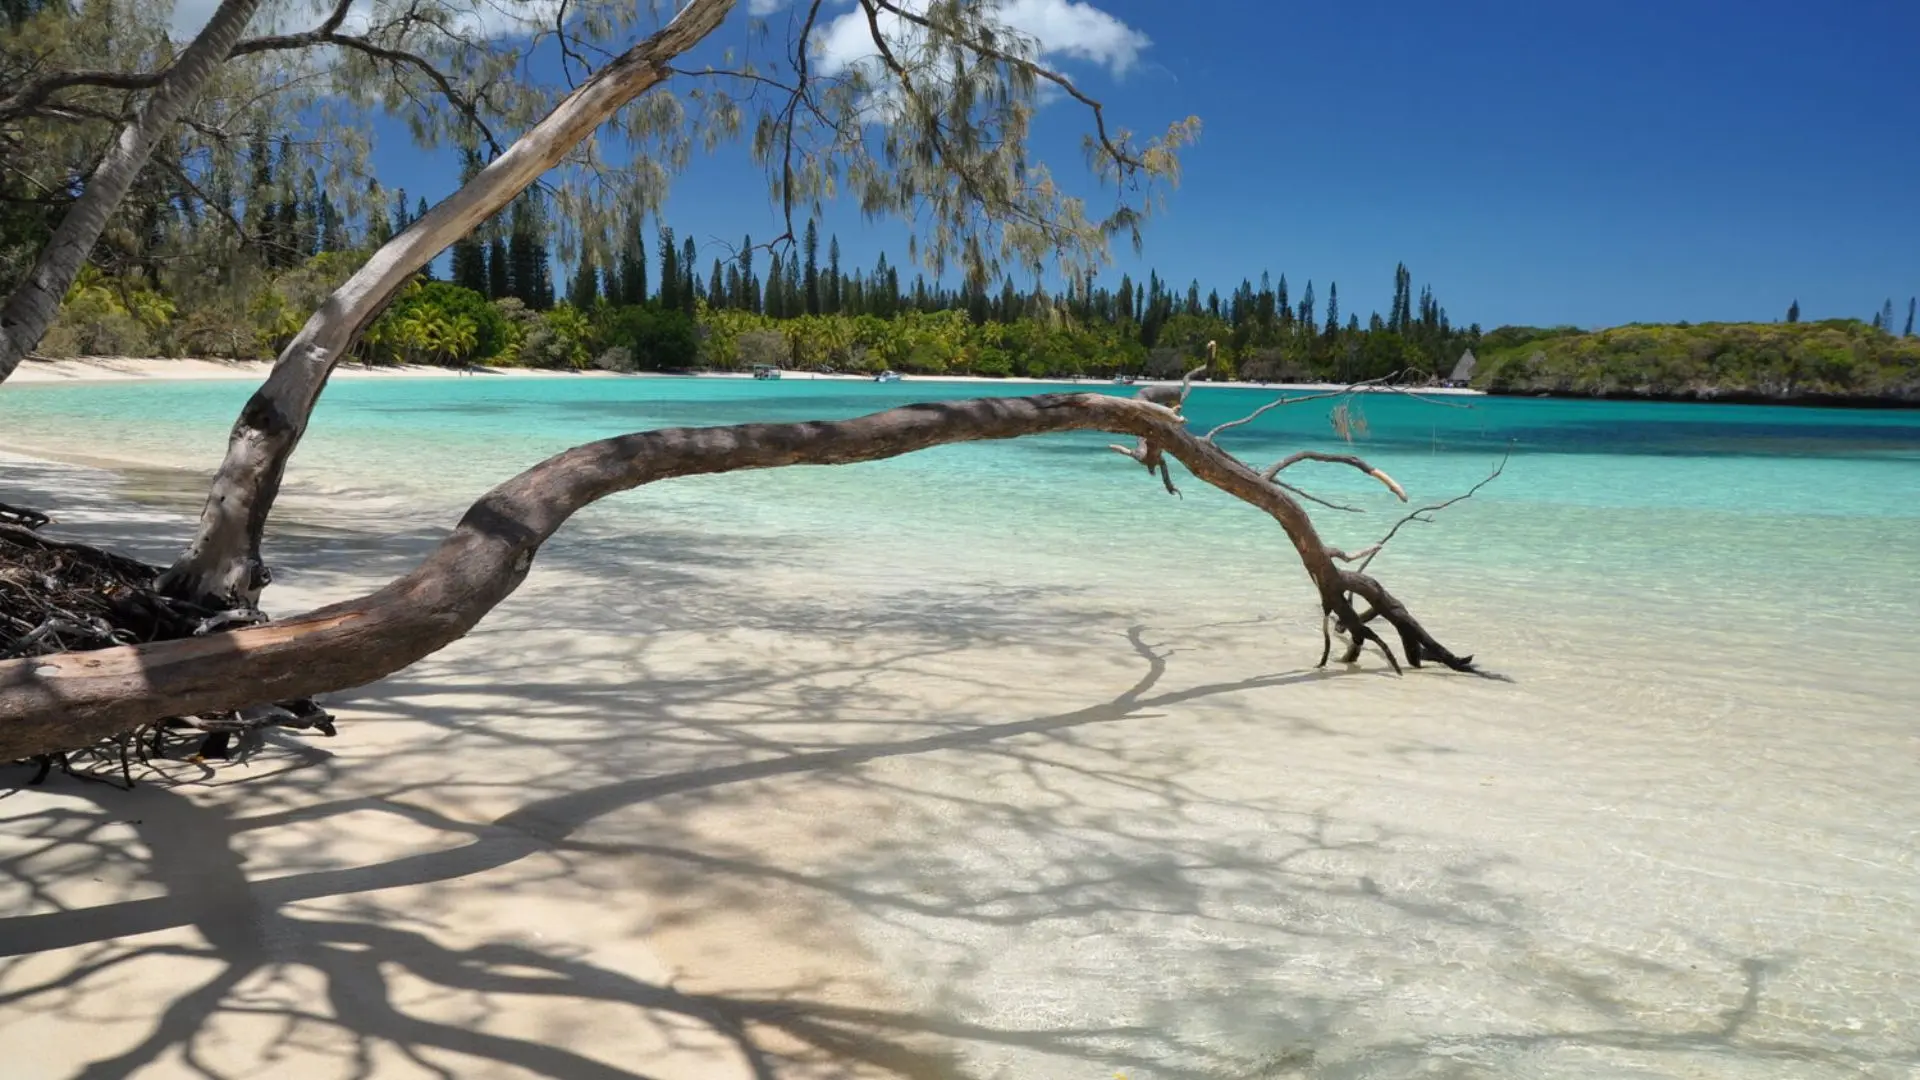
[73, 699]
[1366, 555]
[1336, 459]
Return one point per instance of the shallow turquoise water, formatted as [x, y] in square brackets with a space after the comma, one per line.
[1695, 794]
[1771, 512]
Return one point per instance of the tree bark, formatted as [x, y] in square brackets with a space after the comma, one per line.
[72, 699]
[222, 564]
[35, 302]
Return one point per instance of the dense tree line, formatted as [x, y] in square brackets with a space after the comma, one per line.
[807, 307]
[1833, 359]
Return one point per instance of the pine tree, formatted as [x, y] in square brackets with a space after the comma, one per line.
[583, 292]
[669, 270]
[529, 277]
[633, 267]
[1886, 315]
[879, 300]
[333, 230]
[469, 252]
[470, 264]
[811, 246]
[401, 218]
[836, 299]
[1401, 315]
[689, 277]
[749, 287]
[499, 266]
[1333, 308]
[717, 286]
[1910, 311]
[1793, 312]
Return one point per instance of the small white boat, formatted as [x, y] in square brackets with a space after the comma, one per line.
[887, 376]
[765, 371]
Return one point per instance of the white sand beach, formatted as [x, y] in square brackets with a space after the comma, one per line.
[123, 368]
[678, 811]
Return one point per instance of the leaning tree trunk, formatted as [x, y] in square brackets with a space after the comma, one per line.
[222, 564]
[36, 300]
[54, 702]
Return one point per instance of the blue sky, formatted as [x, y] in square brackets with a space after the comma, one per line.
[1536, 162]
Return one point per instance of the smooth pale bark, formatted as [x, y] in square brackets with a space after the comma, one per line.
[72, 699]
[35, 302]
[222, 563]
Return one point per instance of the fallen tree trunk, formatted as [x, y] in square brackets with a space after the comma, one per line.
[48, 703]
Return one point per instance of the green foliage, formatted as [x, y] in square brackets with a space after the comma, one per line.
[103, 317]
[561, 337]
[438, 309]
[655, 339]
[1841, 358]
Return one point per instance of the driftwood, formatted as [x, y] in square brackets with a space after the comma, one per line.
[75, 698]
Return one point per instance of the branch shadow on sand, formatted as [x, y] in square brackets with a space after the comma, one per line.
[468, 882]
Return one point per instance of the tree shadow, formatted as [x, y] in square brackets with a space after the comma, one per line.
[769, 835]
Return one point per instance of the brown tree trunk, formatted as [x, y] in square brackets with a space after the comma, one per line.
[72, 699]
[35, 302]
[222, 564]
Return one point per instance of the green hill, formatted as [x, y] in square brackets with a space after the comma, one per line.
[1840, 360]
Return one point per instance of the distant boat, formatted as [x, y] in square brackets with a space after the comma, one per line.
[1123, 380]
[887, 376]
[765, 371]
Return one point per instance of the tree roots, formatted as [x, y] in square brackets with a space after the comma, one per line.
[58, 596]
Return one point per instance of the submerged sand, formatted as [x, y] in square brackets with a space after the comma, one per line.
[677, 813]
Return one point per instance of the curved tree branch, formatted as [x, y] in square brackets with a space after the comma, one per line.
[1336, 459]
[223, 559]
[72, 699]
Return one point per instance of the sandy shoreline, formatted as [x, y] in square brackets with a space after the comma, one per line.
[684, 810]
[122, 369]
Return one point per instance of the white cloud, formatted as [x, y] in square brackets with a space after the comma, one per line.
[765, 7]
[1062, 28]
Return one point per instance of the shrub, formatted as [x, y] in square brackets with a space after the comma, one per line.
[657, 340]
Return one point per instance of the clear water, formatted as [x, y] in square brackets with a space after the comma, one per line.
[1680, 842]
[1779, 513]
